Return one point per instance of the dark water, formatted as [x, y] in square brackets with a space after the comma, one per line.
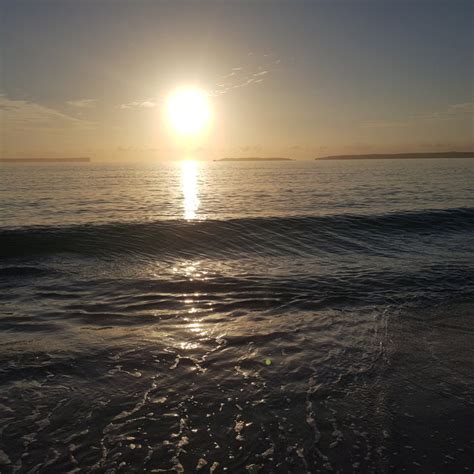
[290, 317]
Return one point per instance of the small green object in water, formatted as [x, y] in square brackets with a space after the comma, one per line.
[268, 361]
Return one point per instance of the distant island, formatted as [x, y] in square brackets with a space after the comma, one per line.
[251, 158]
[45, 160]
[401, 156]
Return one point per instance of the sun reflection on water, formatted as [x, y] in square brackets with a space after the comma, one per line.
[189, 185]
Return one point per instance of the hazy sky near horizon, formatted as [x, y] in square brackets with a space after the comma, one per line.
[298, 79]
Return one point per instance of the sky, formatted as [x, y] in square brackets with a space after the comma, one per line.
[296, 79]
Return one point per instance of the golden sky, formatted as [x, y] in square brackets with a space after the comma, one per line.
[293, 79]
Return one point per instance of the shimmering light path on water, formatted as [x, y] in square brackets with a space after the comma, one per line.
[259, 317]
[99, 193]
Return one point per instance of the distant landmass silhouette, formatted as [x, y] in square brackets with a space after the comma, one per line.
[252, 158]
[402, 156]
[46, 160]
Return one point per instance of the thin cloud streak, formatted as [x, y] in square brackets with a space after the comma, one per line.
[145, 104]
[82, 103]
[452, 112]
[238, 77]
[244, 76]
[26, 115]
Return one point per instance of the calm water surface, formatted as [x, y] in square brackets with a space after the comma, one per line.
[237, 317]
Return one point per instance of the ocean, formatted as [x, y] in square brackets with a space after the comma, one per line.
[273, 317]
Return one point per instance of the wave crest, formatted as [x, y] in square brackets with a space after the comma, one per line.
[266, 235]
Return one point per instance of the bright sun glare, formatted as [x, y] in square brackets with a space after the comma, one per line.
[188, 111]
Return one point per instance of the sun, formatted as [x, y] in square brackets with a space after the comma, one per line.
[188, 111]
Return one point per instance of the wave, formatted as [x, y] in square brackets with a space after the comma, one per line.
[112, 299]
[265, 235]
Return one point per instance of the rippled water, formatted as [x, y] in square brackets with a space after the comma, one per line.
[237, 317]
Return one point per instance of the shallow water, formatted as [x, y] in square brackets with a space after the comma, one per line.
[239, 317]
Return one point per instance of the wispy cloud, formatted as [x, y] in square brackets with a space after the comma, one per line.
[82, 103]
[27, 115]
[243, 76]
[451, 112]
[145, 104]
[237, 77]
[465, 106]
[387, 124]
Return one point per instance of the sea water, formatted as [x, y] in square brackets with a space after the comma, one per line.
[237, 317]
